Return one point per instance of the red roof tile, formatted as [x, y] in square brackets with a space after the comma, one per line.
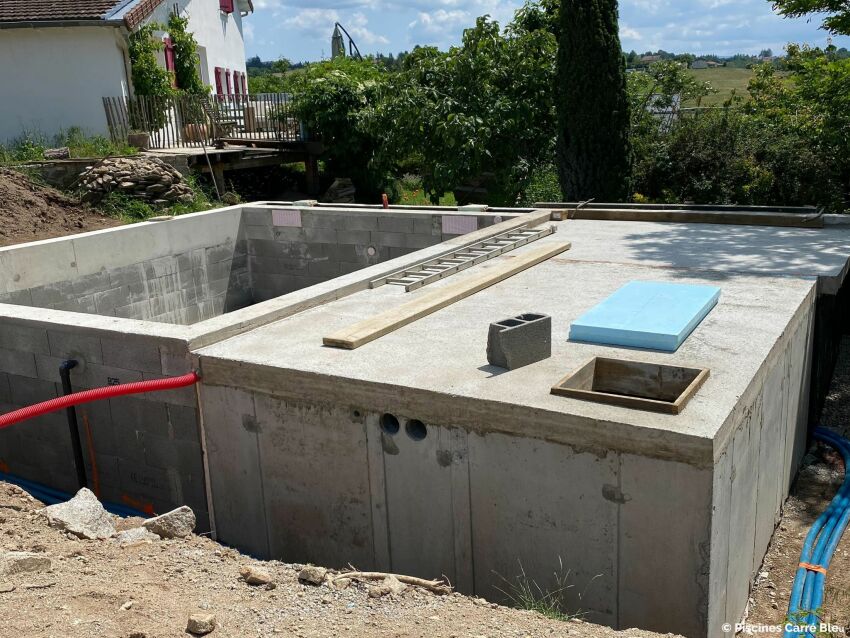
[55, 10]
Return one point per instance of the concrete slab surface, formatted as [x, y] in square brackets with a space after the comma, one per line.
[436, 368]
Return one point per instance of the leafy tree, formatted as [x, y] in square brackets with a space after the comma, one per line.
[593, 150]
[837, 21]
[480, 109]
[333, 100]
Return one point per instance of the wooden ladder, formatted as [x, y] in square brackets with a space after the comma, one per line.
[427, 272]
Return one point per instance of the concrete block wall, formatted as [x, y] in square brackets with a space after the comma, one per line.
[142, 451]
[181, 288]
[317, 245]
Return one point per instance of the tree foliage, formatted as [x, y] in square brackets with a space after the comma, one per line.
[836, 20]
[482, 108]
[593, 149]
[149, 78]
[334, 99]
[186, 59]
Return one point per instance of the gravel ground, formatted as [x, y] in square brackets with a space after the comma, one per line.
[816, 485]
[101, 589]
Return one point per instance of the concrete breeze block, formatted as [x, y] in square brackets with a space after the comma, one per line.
[520, 341]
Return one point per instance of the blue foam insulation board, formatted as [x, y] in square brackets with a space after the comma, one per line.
[647, 314]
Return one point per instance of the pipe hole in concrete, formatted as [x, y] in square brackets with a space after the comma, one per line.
[389, 424]
[416, 430]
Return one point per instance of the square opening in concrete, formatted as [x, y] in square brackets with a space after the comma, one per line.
[633, 384]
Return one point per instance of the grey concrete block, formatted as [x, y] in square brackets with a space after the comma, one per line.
[138, 354]
[24, 338]
[70, 345]
[322, 220]
[126, 275]
[325, 269]
[349, 267]
[418, 241]
[257, 217]
[320, 235]
[18, 362]
[283, 233]
[136, 310]
[136, 414]
[399, 251]
[183, 422]
[356, 221]
[5, 391]
[108, 300]
[259, 232]
[50, 294]
[84, 304]
[17, 297]
[165, 452]
[222, 252]
[138, 479]
[362, 237]
[27, 391]
[395, 224]
[389, 239]
[432, 226]
[520, 341]
[89, 284]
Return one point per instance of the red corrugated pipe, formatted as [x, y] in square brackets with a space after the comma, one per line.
[97, 394]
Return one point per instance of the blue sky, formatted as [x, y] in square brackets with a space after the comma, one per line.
[301, 29]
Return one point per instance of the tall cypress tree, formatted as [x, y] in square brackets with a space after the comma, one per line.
[594, 152]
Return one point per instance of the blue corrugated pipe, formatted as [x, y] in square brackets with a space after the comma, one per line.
[819, 547]
[50, 496]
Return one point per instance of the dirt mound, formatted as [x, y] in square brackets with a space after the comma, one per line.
[53, 583]
[30, 211]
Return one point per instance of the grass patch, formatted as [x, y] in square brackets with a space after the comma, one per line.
[525, 593]
[30, 146]
[131, 210]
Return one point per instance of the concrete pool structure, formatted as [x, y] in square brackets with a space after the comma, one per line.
[412, 454]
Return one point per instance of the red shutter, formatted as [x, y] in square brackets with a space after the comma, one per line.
[226, 5]
[218, 87]
[237, 85]
[169, 61]
[244, 84]
[229, 85]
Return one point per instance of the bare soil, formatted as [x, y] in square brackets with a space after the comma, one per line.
[816, 485]
[100, 589]
[31, 211]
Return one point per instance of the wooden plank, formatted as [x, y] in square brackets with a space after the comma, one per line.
[370, 329]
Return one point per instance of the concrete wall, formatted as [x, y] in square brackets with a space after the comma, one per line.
[141, 451]
[183, 288]
[54, 78]
[287, 253]
[754, 471]
[647, 542]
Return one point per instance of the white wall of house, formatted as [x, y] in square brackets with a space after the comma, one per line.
[219, 35]
[55, 78]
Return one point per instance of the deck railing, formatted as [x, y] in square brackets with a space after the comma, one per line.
[192, 120]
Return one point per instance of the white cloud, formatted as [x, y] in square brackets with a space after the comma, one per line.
[357, 26]
[248, 31]
[313, 22]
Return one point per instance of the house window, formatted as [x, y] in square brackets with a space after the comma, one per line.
[218, 83]
[169, 61]
[226, 5]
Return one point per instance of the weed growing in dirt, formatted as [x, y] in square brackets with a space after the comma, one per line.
[30, 146]
[130, 210]
[525, 593]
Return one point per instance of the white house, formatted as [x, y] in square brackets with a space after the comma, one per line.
[61, 58]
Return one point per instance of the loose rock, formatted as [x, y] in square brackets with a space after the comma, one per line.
[255, 576]
[146, 178]
[312, 575]
[389, 586]
[5, 588]
[178, 523]
[82, 516]
[12, 563]
[201, 624]
[136, 535]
